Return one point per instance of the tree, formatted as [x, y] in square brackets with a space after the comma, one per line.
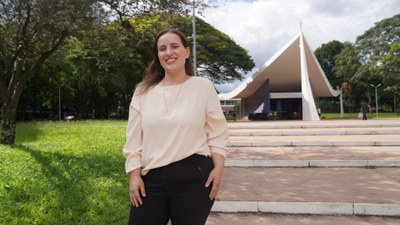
[116, 55]
[108, 61]
[390, 67]
[390, 71]
[108, 64]
[218, 56]
[31, 31]
[375, 43]
[350, 69]
[41, 94]
[372, 59]
[347, 64]
[375, 48]
[326, 57]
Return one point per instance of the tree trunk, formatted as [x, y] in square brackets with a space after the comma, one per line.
[8, 122]
[369, 96]
[11, 93]
[9, 112]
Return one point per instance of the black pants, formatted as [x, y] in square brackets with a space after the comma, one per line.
[364, 115]
[176, 192]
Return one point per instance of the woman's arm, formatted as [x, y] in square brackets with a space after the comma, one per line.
[132, 151]
[217, 133]
[136, 187]
[216, 174]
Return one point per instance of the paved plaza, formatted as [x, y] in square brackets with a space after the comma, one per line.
[324, 172]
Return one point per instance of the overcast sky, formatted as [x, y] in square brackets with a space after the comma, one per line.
[262, 27]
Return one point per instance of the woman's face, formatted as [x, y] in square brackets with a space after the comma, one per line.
[171, 53]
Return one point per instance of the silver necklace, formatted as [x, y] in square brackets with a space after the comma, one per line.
[176, 97]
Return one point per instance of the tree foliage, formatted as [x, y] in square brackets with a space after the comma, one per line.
[105, 64]
[218, 56]
[326, 55]
[374, 44]
[390, 67]
[31, 31]
[347, 64]
[373, 59]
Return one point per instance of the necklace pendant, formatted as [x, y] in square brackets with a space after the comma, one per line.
[169, 110]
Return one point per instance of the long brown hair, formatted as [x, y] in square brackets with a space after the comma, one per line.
[155, 72]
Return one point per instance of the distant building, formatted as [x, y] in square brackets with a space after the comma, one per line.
[285, 87]
[229, 105]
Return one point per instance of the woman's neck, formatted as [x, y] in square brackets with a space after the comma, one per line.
[175, 79]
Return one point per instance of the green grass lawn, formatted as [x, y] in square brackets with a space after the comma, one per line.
[354, 115]
[65, 173]
[328, 116]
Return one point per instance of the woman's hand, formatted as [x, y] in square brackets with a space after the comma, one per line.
[215, 175]
[136, 188]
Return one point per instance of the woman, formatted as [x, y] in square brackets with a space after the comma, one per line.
[176, 137]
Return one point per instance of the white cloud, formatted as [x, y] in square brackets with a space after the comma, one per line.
[264, 26]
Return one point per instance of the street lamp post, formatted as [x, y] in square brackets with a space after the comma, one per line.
[59, 102]
[341, 104]
[194, 38]
[376, 97]
[395, 92]
[394, 103]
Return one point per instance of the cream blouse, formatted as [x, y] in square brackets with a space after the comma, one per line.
[170, 123]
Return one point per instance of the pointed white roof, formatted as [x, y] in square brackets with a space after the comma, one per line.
[284, 72]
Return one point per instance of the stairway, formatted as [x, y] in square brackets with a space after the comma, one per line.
[325, 168]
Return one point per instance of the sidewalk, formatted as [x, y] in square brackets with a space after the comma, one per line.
[326, 191]
[315, 153]
[315, 124]
[313, 140]
[314, 156]
[346, 167]
[315, 133]
[279, 219]
[340, 185]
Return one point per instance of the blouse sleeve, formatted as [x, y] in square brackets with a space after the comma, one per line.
[133, 146]
[216, 125]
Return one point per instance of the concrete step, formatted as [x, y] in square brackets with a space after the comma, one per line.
[354, 185]
[303, 133]
[313, 163]
[331, 140]
[344, 167]
[316, 131]
[284, 219]
[373, 123]
[316, 156]
[315, 153]
[346, 191]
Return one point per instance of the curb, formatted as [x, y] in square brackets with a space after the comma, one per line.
[310, 143]
[316, 208]
[312, 163]
[305, 126]
[320, 133]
